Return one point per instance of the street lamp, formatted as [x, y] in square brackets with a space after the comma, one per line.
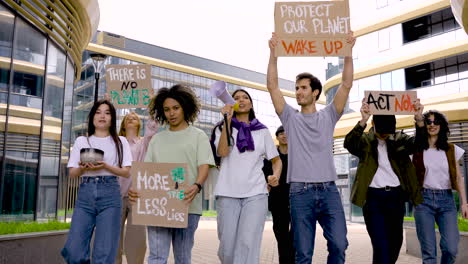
[98, 63]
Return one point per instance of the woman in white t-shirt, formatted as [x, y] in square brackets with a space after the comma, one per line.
[438, 173]
[98, 205]
[241, 191]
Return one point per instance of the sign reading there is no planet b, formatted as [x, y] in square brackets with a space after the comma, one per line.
[391, 102]
[129, 86]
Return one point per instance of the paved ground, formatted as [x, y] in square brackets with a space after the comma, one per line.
[359, 250]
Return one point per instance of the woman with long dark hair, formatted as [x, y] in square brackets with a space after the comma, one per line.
[98, 205]
[439, 173]
[241, 191]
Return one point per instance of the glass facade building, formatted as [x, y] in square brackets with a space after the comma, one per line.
[422, 48]
[37, 73]
[166, 73]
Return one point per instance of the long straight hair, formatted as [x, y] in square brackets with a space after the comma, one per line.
[251, 112]
[112, 128]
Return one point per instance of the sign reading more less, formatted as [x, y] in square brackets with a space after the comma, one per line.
[129, 86]
[161, 189]
[318, 28]
[391, 102]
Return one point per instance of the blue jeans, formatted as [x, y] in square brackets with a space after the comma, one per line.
[438, 207]
[240, 228]
[312, 202]
[159, 240]
[98, 207]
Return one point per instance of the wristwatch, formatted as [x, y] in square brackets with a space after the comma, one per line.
[199, 186]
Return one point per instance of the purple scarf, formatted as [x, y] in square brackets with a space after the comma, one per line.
[244, 136]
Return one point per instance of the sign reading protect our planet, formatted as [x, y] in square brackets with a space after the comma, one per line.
[161, 189]
[129, 86]
[391, 102]
[318, 28]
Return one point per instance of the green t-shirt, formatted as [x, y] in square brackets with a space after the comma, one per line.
[189, 146]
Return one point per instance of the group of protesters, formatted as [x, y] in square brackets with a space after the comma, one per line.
[294, 180]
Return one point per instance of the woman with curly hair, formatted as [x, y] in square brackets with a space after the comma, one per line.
[439, 173]
[178, 108]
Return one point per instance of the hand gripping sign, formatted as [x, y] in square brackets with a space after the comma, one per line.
[317, 28]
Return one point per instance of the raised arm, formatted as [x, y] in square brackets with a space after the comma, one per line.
[353, 139]
[347, 77]
[272, 77]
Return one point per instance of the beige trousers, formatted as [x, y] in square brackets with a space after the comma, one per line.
[133, 239]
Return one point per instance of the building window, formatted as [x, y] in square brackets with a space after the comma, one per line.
[437, 72]
[430, 25]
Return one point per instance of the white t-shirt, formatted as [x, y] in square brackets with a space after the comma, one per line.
[241, 174]
[105, 144]
[384, 176]
[437, 169]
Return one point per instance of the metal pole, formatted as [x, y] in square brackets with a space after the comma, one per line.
[96, 86]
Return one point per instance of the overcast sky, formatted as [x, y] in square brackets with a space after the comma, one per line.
[230, 31]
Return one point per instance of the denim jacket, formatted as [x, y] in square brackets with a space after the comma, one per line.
[399, 147]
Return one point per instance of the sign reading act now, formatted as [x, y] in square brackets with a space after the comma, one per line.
[316, 28]
[391, 102]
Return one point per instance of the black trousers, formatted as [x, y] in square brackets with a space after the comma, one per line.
[283, 234]
[383, 213]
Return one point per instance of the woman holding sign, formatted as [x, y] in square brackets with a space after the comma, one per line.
[134, 236]
[438, 172]
[98, 159]
[241, 191]
[178, 107]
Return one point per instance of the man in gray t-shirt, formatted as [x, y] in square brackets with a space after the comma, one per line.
[311, 171]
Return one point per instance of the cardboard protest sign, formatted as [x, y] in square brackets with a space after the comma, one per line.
[316, 28]
[161, 188]
[391, 102]
[129, 86]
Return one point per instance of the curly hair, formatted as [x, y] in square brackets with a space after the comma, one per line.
[444, 132]
[183, 95]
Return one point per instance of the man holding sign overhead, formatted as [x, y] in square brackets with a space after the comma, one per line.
[385, 178]
[311, 171]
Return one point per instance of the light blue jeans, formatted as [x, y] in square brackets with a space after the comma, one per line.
[438, 207]
[240, 228]
[160, 238]
[98, 209]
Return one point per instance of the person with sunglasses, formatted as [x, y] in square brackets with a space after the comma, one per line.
[439, 173]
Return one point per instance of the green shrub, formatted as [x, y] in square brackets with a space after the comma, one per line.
[209, 213]
[27, 227]
[462, 223]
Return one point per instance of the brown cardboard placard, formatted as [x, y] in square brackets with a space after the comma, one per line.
[391, 102]
[317, 28]
[161, 190]
[129, 86]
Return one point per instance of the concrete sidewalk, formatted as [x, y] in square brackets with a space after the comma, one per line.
[359, 250]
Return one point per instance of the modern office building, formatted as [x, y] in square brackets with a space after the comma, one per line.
[41, 44]
[170, 67]
[404, 45]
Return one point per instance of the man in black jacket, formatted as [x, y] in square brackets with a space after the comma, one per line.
[278, 203]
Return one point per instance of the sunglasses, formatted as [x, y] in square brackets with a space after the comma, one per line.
[430, 122]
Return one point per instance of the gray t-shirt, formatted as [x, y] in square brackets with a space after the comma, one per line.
[310, 144]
